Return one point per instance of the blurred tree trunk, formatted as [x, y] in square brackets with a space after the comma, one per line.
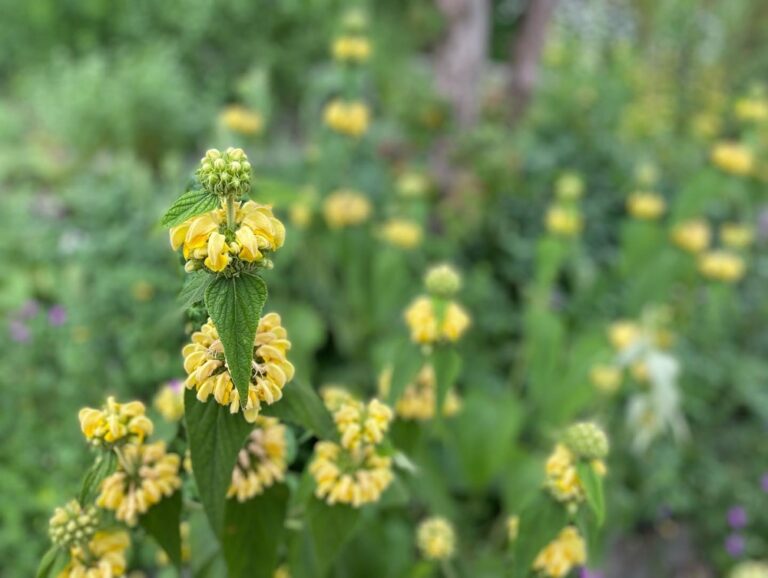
[525, 54]
[461, 55]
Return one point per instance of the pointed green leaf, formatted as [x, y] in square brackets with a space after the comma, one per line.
[593, 489]
[105, 464]
[253, 533]
[162, 521]
[447, 364]
[330, 527]
[194, 288]
[235, 305]
[541, 520]
[408, 362]
[53, 562]
[190, 204]
[215, 438]
[300, 405]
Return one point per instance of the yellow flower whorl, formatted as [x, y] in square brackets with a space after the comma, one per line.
[646, 206]
[436, 538]
[425, 327]
[692, 236]
[734, 158]
[559, 557]
[350, 118]
[102, 557]
[351, 49]
[346, 208]
[402, 233]
[564, 221]
[262, 462]
[419, 399]
[115, 422]
[722, 265]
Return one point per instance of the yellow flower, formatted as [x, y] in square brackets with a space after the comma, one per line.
[562, 479]
[346, 208]
[102, 557]
[169, 401]
[751, 109]
[564, 221]
[623, 334]
[733, 157]
[569, 186]
[349, 477]
[559, 557]
[360, 424]
[736, 236]
[72, 524]
[412, 185]
[426, 327]
[436, 538]
[282, 572]
[605, 378]
[335, 396]
[350, 118]
[242, 120]
[750, 569]
[208, 374]
[722, 266]
[301, 214]
[115, 422]
[203, 240]
[646, 206]
[351, 49]
[261, 463]
[692, 236]
[419, 399]
[402, 233]
[145, 474]
[513, 528]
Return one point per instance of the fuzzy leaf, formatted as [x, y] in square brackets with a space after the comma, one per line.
[53, 562]
[253, 532]
[190, 204]
[103, 466]
[215, 438]
[194, 288]
[300, 405]
[162, 522]
[593, 489]
[235, 305]
[330, 527]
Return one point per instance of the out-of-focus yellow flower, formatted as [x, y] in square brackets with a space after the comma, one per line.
[242, 120]
[734, 158]
[335, 396]
[145, 474]
[73, 524]
[428, 325]
[186, 547]
[169, 401]
[436, 538]
[346, 208]
[350, 477]
[750, 569]
[257, 232]
[569, 186]
[646, 206]
[301, 214]
[751, 109]
[692, 236]
[564, 221]
[261, 463]
[736, 236]
[207, 373]
[419, 399]
[605, 378]
[412, 185]
[350, 118]
[623, 333]
[562, 479]
[351, 49]
[722, 266]
[560, 556]
[115, 422]
[513, 528]
[282, 572]
[102, 557]
[402, 233]
[360, 424]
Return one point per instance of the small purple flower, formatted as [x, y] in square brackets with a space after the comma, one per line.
[20, 333]
[29, 309]
[734, 545]
[737, 517]
[175, 385]
[764, 482]
[587, 573]
[57, 315]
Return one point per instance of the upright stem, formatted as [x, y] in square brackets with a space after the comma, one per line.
[230, 213]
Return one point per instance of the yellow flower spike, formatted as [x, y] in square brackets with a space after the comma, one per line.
[169, 401]
[335, 396]
[561, 555]
[349, 118]
[360, 424]
[692, 236]
[564, 221]
[734, 158]
[751, 109]
[346, 208]
[115, 423]
[436, 538]
[208, 374]
[145, 474]
[402, 233]
[736, 236]
[606, 378]
[722, 266]
[262, 462]
[425, 327]
[562, 480]
[419, 399]
[646, 206]
[351, 49]
[102, 557]
[412, 185]
[242, 120]
[622, 334]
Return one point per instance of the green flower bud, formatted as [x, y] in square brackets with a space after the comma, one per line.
[226, 174]
[587, 440]
[442, 280]
[72, 524]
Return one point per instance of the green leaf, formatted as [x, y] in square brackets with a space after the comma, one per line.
[215, 438]
[105, 464]
[300, 405]
[540, 522]
[162, 521]
[253, 532]
[330, 527]
[447, 364]
[53, 562]
[593, 489]
[235, 305]
[194, 288]
[190, 204]
[408, 362]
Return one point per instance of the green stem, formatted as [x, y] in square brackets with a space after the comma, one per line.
[231, 213]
